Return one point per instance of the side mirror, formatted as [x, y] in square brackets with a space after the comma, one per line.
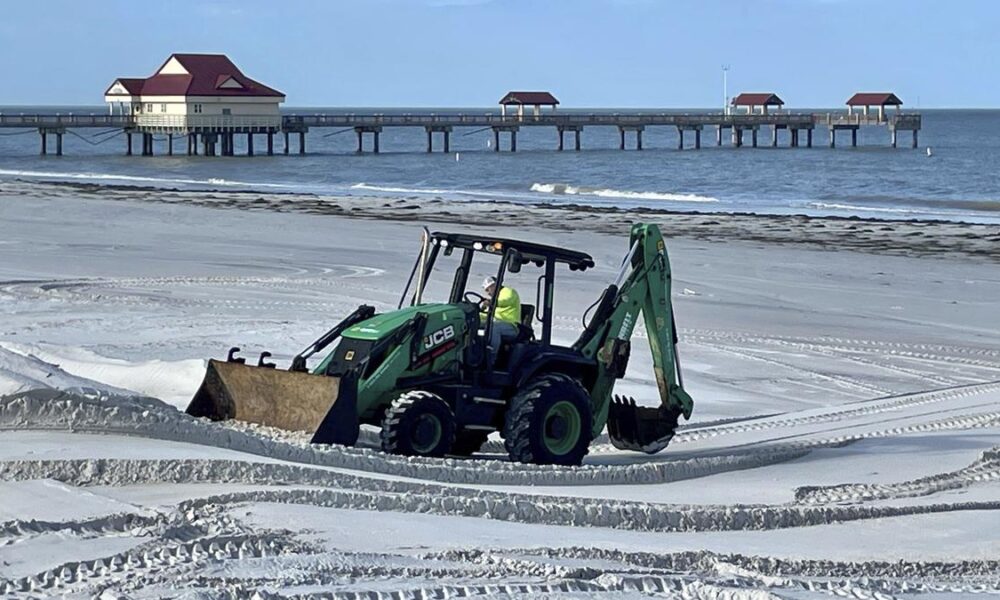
[514, 261]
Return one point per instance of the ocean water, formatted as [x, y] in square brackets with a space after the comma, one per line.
[959, 181]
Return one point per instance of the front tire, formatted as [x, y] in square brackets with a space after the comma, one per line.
[549, 422]
[418, 424]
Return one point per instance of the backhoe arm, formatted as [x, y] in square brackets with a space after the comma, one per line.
[643, 286]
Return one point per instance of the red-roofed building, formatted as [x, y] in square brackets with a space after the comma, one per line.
[522, 99]
[869, 99]
[192, 91]
[754, 100]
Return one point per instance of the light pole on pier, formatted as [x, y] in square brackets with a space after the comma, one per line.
[725, 89]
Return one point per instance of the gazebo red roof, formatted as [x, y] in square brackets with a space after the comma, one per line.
[133, 85]
[529, 98]
[758, 99]
[874, 99]
[206, 76]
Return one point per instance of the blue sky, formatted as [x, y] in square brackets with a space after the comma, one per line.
[590, 53]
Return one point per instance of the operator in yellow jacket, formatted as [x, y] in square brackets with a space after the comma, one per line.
[506, 316]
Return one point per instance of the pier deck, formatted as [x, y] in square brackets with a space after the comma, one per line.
[213, 129]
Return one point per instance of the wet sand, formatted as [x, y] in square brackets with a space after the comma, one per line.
[891, 237]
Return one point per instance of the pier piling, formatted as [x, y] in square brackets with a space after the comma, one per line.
[638, 135]
[218, 134]
[512, 129]
[445, 137]
[576, 129]
[361, 131]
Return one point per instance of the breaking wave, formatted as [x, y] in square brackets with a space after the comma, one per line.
[853, 207]
[137, 178]
[428, 191]
[572, 190]
[401, 190]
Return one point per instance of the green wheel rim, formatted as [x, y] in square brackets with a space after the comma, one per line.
[562, 427]
[426, 433]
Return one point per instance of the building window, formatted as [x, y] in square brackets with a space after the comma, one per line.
[149, 107]
[227, 111]
[197, 108]
[163, 108]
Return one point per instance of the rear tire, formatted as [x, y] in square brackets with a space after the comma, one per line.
[418, 424]
[468, 443]
[549, 422]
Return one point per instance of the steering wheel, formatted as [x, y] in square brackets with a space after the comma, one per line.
[476, 298]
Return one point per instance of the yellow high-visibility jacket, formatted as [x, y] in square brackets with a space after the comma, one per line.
[508, 307]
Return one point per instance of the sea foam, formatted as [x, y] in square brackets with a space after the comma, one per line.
[564, 189]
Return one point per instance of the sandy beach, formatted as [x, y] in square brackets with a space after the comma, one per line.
[844, 437]
[911, 237]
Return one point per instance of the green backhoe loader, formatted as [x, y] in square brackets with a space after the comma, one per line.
[428, 376]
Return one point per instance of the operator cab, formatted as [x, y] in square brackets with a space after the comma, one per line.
[512, 256]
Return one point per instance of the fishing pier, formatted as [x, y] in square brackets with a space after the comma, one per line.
[214, 135]
[206, 101]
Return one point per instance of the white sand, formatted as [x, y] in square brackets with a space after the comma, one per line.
[842, 463]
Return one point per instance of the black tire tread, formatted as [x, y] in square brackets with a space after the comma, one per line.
[390, 432]
[517, 434]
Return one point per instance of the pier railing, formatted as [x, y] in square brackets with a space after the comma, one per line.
[67, 120]
[217, 122]
[143, 120]
[298, 122]
[547, 119]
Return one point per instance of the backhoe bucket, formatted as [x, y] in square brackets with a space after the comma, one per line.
[318, 404]
[640, 428]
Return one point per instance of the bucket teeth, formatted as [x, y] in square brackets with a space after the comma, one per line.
[640, 428]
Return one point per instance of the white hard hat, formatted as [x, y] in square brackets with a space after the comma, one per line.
[489, 281]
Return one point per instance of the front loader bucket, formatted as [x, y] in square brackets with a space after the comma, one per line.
[640, 428]
[318, 404]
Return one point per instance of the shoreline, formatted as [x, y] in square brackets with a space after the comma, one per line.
[898, 237]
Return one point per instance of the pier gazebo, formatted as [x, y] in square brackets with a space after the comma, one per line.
[866, 100]
[758, 100]
[521, 99]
